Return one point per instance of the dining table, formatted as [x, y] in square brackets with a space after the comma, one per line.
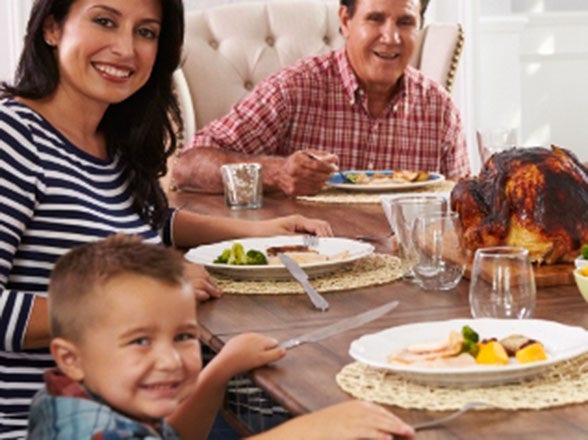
[304, 380]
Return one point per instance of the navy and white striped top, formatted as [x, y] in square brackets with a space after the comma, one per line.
[53, 196]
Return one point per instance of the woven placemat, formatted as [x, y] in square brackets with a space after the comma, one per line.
[334, 195]
[562, 384]
[372, 270]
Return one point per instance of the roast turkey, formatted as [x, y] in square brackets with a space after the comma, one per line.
[531, 197]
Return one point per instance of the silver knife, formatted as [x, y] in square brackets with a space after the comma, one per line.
[340, 326]
[300, 276]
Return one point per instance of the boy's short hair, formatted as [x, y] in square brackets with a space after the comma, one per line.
[83, 270]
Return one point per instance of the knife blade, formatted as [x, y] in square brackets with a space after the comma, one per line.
[339, 326]
[299, 275]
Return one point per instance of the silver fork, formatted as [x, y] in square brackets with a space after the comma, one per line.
[467, 407]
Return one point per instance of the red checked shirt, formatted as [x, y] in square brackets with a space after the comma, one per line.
[318, 103]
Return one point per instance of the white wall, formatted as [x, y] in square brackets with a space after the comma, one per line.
[13, 17]
[532, 76]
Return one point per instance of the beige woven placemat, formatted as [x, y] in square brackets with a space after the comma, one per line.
[334, 195]
[372, 270]
[562, 384]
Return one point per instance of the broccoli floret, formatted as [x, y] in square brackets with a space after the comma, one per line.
[585, 251]
[470, 347]
[470, 341]
[237, 256]
[255, 257]
[224, 257]
[469, 334]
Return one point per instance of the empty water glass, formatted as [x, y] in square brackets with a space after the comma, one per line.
[403, 212]
[502, 284]
[441, 255]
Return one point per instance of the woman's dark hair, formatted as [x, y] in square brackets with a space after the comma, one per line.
[351, 7]
[142, 128]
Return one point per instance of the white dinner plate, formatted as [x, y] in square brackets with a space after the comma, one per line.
[337, 182]
[561, 342]
[327, 246]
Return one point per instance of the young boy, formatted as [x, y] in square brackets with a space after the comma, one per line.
[125, 339]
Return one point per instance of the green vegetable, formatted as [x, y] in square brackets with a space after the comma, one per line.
[585, 251]
[470, 341]
[470, 347]
[469, 334]
[224, 257]
[255, 257]
[237, 256]
[352, 176]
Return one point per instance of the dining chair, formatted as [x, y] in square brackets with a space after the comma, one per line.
[229, 48]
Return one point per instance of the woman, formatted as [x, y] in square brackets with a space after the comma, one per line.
[85, 132]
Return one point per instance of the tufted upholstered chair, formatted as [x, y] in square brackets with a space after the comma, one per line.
[228, 49]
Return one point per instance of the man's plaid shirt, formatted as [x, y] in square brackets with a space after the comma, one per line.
[318, 103]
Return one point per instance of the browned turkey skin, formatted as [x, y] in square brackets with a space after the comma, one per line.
[531, 197]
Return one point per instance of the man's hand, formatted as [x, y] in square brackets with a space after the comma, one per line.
[305, 172]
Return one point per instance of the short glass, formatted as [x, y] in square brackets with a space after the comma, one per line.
[502, 283]
[403, 212]
[243, 185]
[441, 254]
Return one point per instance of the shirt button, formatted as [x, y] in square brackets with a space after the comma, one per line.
[248, 85]
[270, 41]
[326, 40]
[370, 166]
[213, 44]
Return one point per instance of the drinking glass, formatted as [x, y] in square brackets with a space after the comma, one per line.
[502, 284]
[403, 212]
[243, 185]
[441, 255]
[495, 140]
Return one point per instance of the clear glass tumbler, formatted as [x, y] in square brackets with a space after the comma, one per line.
[243, 185]
[403, 212]
[441, 255]
[502, 283]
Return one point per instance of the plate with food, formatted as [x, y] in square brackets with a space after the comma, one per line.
[471, 352]
[257, 258]
[383, 180]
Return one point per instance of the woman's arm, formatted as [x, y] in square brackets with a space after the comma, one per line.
[191, 229]
[24, 313]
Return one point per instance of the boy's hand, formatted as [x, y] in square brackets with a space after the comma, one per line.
[357, 419]
[249, 350]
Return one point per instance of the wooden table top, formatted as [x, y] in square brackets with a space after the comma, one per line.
[305, 379]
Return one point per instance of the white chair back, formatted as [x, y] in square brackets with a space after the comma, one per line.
[228, 49]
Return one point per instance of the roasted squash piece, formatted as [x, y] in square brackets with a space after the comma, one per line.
[491, 352]
[531, 353]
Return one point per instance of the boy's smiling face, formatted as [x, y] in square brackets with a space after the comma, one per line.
[140, 352]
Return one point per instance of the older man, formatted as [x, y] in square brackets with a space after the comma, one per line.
[361, 107]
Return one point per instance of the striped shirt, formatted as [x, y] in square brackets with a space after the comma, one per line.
[53, 196]
[318, 103]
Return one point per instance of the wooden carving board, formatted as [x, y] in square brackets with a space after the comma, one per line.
[547, 275]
